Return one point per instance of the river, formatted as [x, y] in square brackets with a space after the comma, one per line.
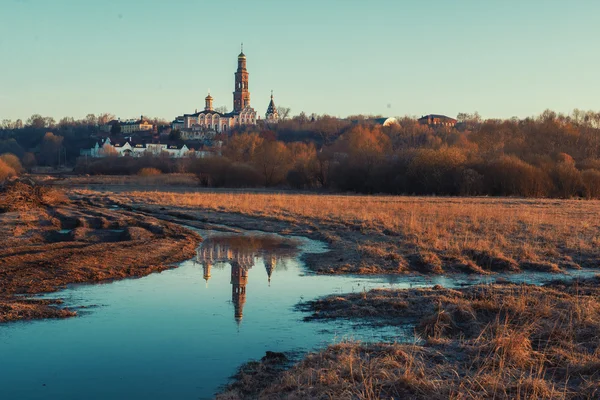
[183, 332]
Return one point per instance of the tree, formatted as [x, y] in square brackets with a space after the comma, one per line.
[36, 121]
[591, 183]
[272, 159]
[175, 135]
[241, 148]
[66, 122]
[49, 122]
[108, 151]
[222, 109]
[28, 161]
[115, 129]
[91, 120]
[104, 119]
[51, 149]
[284, 112]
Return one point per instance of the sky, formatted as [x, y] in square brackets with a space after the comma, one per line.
[339, 57]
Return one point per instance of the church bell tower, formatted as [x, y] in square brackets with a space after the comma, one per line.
[241, 95]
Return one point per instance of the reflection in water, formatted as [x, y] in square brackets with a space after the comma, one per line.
[242, 253]
[161, 337]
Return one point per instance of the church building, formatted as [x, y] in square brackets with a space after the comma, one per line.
[211, 121]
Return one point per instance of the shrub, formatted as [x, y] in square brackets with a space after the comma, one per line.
[12, 161]
[511, 176]
[149, 172]
[222, 172]
[567, 179]
[6, 171]
[591, 183]
[436, 171]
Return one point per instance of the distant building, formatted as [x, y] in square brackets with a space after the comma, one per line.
[376, 121]
[272, 116]
[127, 147]
[437, 120]
[129, 126]
[208, 122]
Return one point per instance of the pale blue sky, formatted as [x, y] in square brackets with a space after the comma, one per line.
[158, 58]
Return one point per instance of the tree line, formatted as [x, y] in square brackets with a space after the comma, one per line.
[550, 155]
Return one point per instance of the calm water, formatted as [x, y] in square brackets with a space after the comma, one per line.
[182, 333]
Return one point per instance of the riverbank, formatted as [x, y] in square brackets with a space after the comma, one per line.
[398, 235]
[50, 243]
[498, 341]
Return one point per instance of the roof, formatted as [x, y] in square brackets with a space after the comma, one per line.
[212, 112]
[272, 109]
[120, 142]
[440, 116]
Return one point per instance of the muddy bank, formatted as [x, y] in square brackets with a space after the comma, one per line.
[50, 244]
[359, 248]
[498, 341]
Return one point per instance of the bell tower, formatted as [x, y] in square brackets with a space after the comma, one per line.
[241, 95]
[208, 102]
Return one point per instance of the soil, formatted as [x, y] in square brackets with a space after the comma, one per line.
[50, 241]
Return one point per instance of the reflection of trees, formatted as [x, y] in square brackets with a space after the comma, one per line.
[242, 253]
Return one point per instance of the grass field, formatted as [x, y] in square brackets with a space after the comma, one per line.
[481, 342]
[427, 234]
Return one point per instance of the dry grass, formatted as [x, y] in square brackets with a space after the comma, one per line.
[433, 235]
[483, 342]
[143, 179]
[149, 172]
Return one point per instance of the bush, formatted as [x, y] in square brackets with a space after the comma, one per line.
[6, 171]
[567, 180]
[128, 165]
[511, 176]
[12, 161]
[591, 183]
[222, 172]
[436, 171]
[149, 172]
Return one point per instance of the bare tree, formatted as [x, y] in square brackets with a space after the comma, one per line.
[104, 119]
[284, 112]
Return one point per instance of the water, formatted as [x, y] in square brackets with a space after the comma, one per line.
[182, 333]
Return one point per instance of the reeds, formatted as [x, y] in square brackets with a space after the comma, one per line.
[483, 342]
[471, 234]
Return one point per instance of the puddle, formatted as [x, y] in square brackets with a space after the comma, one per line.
[182, 333]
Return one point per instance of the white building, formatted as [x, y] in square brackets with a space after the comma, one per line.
[208, 122]
[272, 116]
[127, 148]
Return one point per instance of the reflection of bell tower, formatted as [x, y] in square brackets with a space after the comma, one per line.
[239, 279]
[270, 265]
[206, 269]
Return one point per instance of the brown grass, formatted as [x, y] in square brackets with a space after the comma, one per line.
[483, 342]
[149, 172]
[105, 181]
[377, 234]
